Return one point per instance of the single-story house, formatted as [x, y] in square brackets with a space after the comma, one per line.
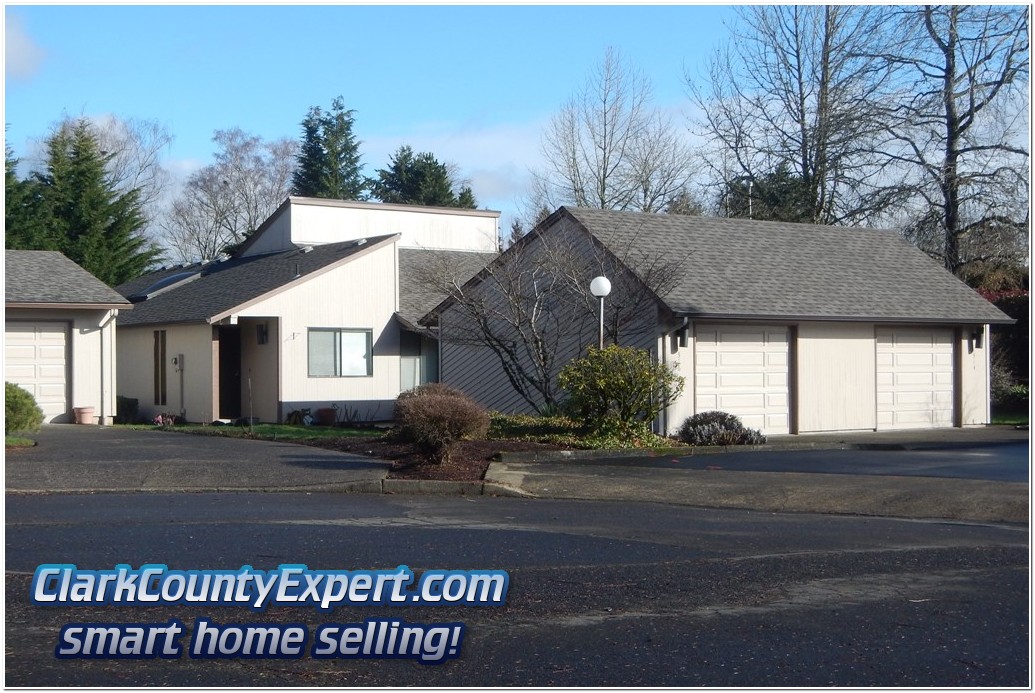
[317, 310]
[795, 328]
[59, 335]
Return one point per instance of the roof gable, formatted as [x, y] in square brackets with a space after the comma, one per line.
[223, 287]
[47, 277]
[753, 269]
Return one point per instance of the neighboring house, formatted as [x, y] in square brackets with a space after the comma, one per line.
[59, 340]
[795, 328]
[317, 310]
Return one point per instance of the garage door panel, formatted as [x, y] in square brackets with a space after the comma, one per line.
[36, 359]
[743, 370]
[733, 402]
[915, 377]
[741, 358]
[754, 381]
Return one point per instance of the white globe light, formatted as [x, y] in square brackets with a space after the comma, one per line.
[600, 287]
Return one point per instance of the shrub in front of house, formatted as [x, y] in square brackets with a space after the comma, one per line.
[718, 428]
[618, 390]
[436, 417]
[22, 414]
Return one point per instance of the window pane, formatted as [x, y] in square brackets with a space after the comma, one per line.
[322, 352]
[355, 353]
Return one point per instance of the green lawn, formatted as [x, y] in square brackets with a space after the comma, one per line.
[18, 442]
[1010, 417]
[267, 431]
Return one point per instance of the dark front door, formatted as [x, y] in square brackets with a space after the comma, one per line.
[229, 372]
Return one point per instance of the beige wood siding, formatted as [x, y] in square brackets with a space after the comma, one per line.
[195, 399]
[260, 368]
[743, 370]
[914, 377]
[835, 377]
[361, 295]
[681, 360]
[974, 375]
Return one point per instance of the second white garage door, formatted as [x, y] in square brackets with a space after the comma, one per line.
[35, 359]
[742, 370]
[914, 378]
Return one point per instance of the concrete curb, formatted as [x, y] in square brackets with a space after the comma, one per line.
[842, 494]
[374, 486]
[561, 455]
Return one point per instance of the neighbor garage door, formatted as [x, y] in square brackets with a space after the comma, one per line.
[743, 370]
[35, 358]
[914, 378]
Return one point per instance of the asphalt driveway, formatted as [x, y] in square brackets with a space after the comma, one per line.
[105, 458]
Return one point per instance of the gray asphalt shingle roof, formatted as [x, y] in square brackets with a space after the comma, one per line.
[417, 295]
[48, 277]
[222, 286]
[743, 268]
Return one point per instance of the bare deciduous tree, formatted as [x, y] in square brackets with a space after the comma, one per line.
[532, 309]
[955, 120]
[608, 148]
[792, 92]
[225, 202]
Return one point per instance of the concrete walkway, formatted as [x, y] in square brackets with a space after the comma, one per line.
[91, 459]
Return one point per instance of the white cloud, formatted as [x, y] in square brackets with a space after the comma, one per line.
[495, 158]
[22, 57]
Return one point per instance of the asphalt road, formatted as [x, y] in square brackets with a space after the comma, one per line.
[601, 594]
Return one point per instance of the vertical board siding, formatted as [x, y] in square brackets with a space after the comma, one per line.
[836, 376]
[974, 376]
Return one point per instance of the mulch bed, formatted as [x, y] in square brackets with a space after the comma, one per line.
[468, 463]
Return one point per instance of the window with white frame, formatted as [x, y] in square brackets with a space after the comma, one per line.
[339, 353]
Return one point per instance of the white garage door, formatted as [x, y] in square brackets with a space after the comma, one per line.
[35, 358]
[743, 370]
[914, 378]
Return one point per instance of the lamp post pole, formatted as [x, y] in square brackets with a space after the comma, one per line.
[600, 287]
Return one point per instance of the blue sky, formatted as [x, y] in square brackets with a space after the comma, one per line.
[475, 85]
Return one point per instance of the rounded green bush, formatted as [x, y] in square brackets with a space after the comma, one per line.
[618, 390]
[718, 428]
[22, 414]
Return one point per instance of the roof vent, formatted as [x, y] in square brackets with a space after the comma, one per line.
[361, 241]
[307, 248]
[222, 257]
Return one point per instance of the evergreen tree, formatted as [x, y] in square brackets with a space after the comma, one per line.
[777, 196]
[73, 207]
[419, 179]
[307, 180]
[328, 157]
[343, 180]
[24, 226]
